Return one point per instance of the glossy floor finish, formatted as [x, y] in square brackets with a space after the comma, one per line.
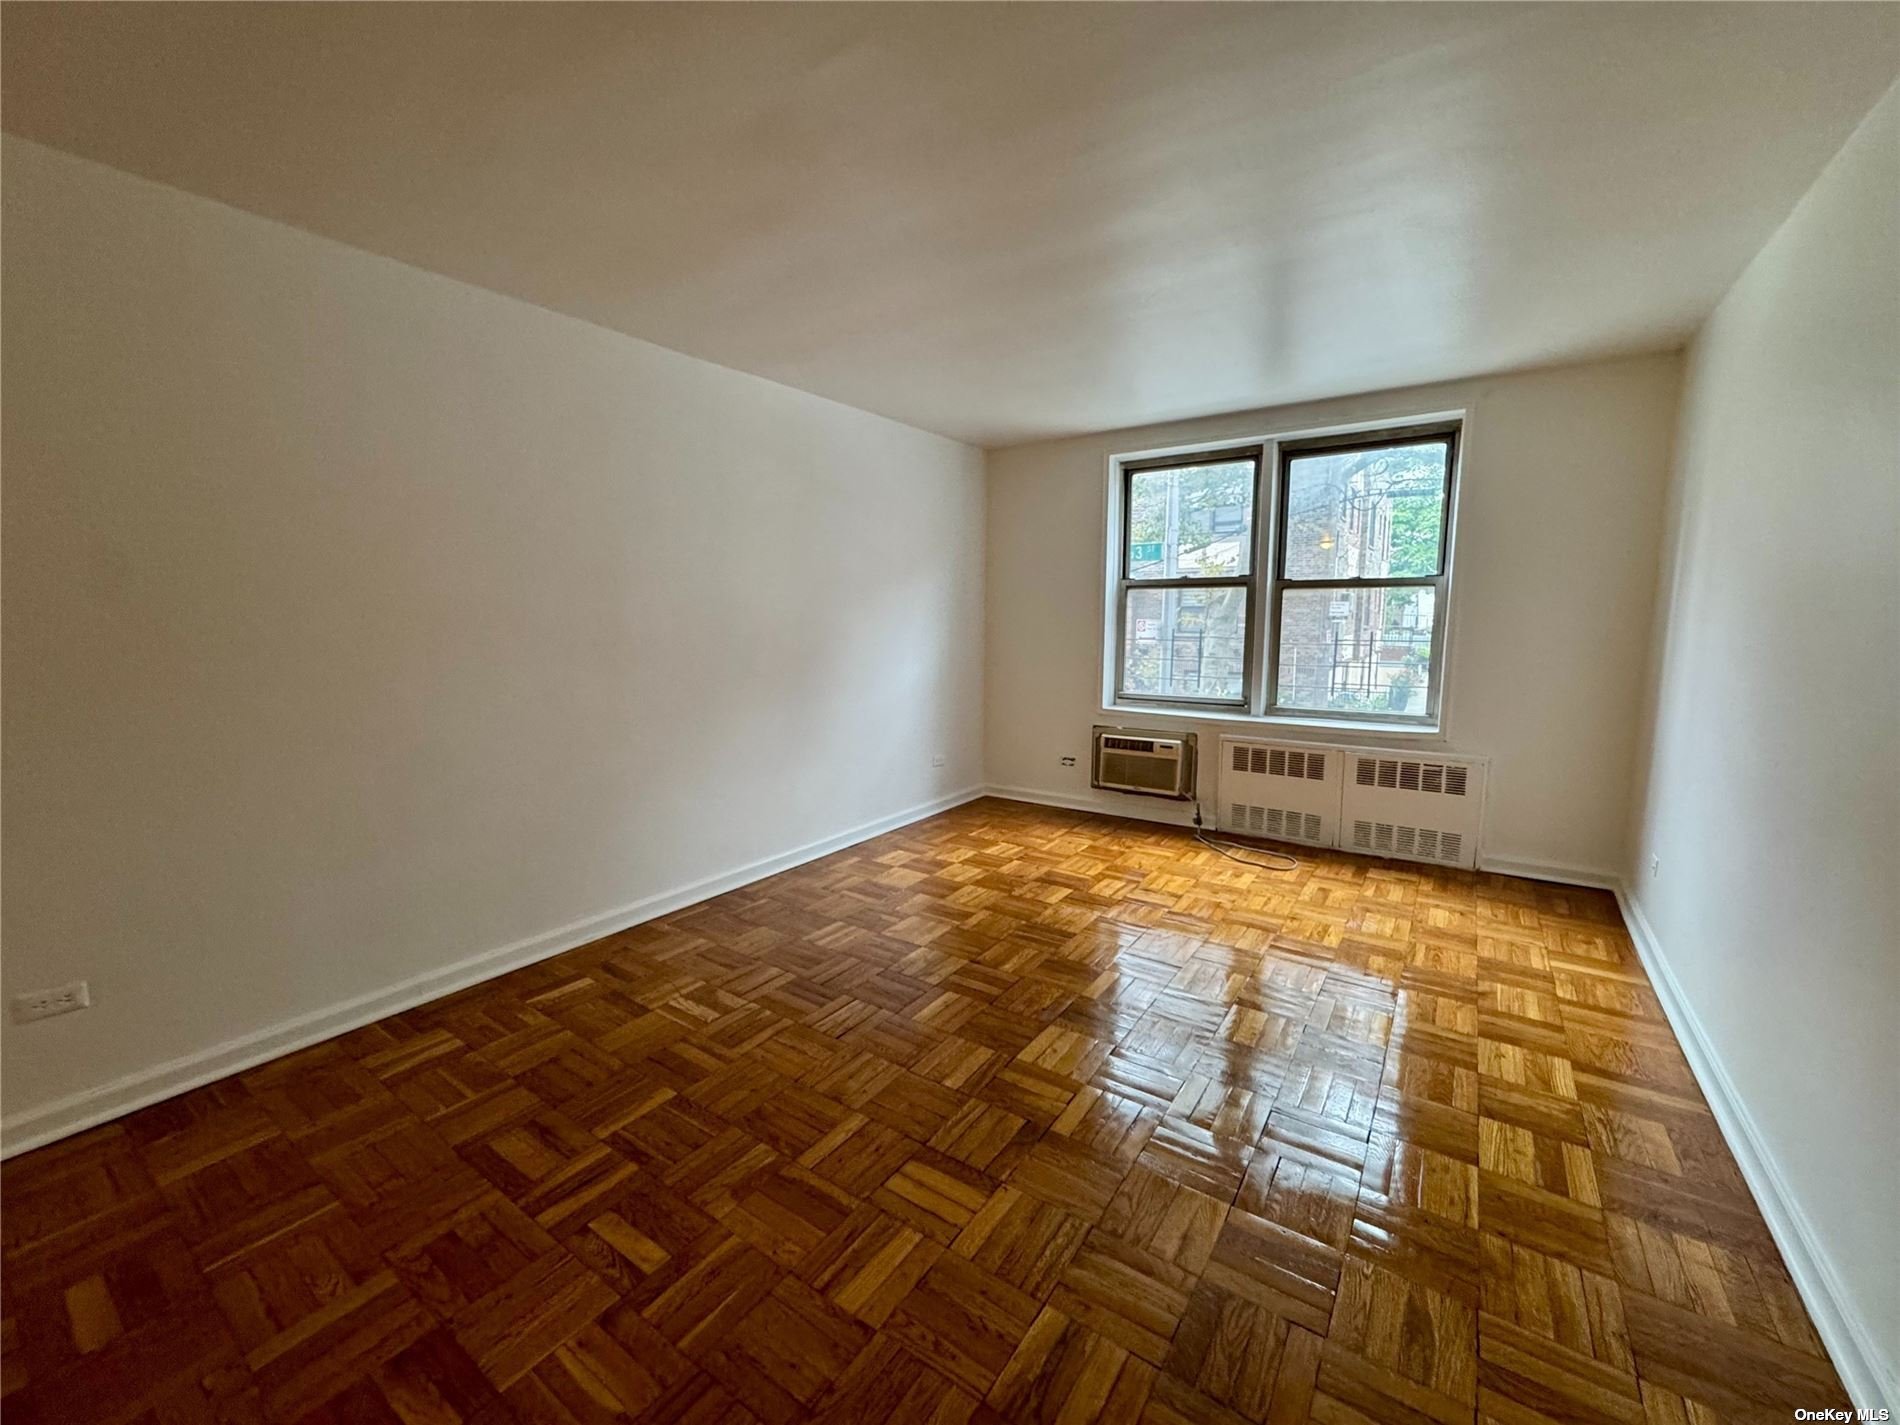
[1012, 1114]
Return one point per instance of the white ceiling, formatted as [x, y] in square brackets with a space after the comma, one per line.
[1007, 221]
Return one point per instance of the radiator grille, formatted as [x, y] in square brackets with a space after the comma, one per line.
[1422, 843]
[1449, 779]
[1281, 790]
[1280, 822]
[1279, 762]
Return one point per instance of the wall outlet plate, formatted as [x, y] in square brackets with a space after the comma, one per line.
[937, 761]
[44, 1004]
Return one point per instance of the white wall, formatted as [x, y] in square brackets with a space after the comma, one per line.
[1558, 522]
[1772, 797]
[359, 621]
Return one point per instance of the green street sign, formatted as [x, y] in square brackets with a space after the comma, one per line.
[1145, 553]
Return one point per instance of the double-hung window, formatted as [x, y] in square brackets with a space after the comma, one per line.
[1188, 591]
[1318, 593]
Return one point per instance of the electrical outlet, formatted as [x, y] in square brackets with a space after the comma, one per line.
[937, 761]
[44, 1004]
[1655, 865]
[1068, 761]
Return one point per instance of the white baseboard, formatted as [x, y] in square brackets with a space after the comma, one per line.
[34, 1127]
[1594, 877]
[1122, 804]
[1869, 1377]
[1865, 1370]
[1172, 813]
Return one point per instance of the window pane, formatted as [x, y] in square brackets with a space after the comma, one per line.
[1356, 650]
[1194, 522]
[1366, 514]
[1185, 643]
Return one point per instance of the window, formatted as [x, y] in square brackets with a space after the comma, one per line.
[1349, 569]
[1187, 597]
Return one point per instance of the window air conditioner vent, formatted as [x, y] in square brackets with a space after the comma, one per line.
[1158, 765]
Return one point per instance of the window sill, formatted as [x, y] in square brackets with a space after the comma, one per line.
[1333, 729]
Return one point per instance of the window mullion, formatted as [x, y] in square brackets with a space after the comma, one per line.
[1269, 516]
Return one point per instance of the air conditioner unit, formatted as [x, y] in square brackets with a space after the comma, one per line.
[1412, 808]
[1152, 764]
[1279, 790]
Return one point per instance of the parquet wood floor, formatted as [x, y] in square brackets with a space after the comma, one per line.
[1014, 1114]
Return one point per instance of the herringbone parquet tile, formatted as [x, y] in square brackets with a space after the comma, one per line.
[1011, 1115]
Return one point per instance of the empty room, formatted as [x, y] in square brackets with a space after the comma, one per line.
[948, 713]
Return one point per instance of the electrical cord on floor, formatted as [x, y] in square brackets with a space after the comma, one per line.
[1231, 849]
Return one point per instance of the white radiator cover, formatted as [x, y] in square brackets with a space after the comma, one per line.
[1413, 807]
[1408, 806]
[1284, 791]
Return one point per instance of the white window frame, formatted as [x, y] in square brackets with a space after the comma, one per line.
[1266, 581]
[1249, 582]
